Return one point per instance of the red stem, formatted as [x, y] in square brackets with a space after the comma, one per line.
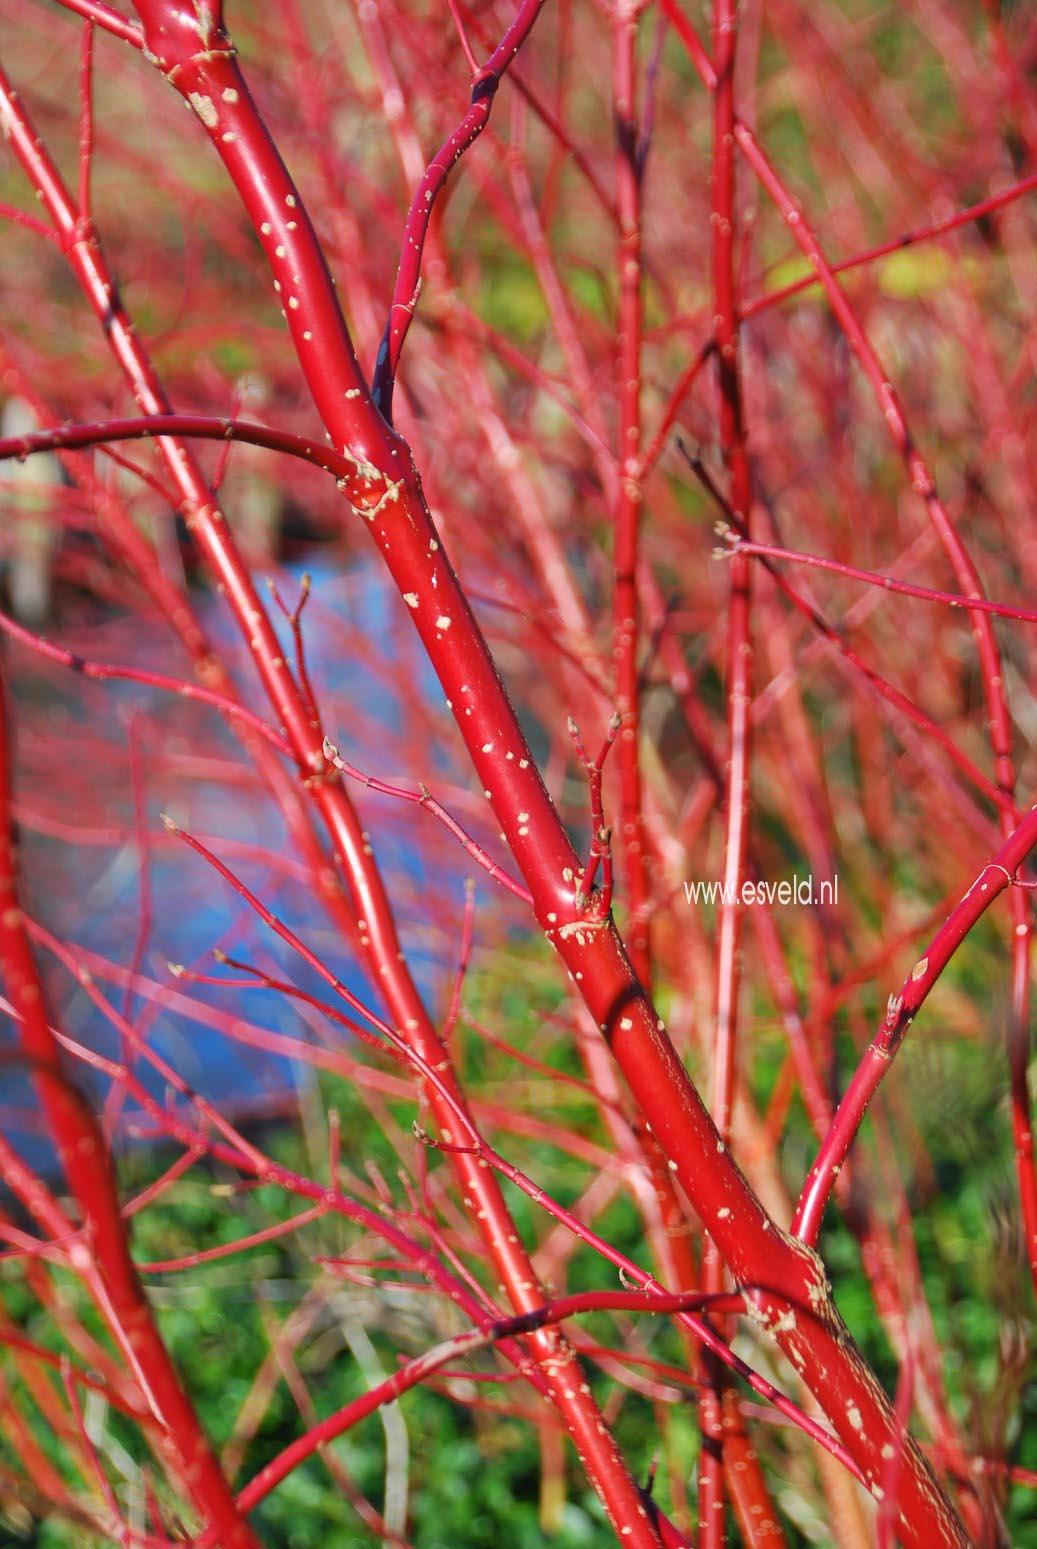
[423, 1366]
[901, 1010]
[103, 672]
[108, 17]
[724, 219]
[408, 275]
[626, 605]
[87, 1164]
[1003, 610]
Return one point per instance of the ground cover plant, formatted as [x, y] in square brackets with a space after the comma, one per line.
[516, 773]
